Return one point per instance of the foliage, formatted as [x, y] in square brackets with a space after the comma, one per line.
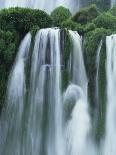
[71, 25]
[59, 15]
[23, 19]
[34, 30]
[8, 45]
[92, 40]
[106, 20]
[86, 15]
[90, 27]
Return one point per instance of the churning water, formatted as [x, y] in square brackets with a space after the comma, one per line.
[33, 121]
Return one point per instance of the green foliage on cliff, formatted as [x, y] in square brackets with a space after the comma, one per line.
[92, 41]
[106, 20]
[59, 15]
[86, 15]
[8, 47]
[14, 24]
[23, 19]
[71, 25]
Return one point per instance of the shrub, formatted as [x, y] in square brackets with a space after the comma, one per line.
[71, 25]
[8, 45]
[90, 27]
[92, 40]
[59, 15]
[86, 15]
[106, 20]
[23, 19]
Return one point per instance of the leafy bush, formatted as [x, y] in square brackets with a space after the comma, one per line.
[86, 15]
[92, 40]
[8, 45]
[23, 19]
[59, 15]
[71, 25]
[90, 27]
[106, 20]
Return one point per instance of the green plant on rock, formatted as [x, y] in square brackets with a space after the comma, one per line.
[23, 19]
[34, 30]
[105, 20]
[8, 47]
[92, 40]
[90, 27]
[71, 25]
[86, 15]
[59, 15]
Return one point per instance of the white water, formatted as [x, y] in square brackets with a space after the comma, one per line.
[78, 126]
[113, 3]
[110, 137]
[78, 69]
[97, 75]
[47, 5]
[33, 117]
[11, 122]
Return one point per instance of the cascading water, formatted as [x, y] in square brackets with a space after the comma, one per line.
[78, 124]
[110, 137]
[47, 5]
[33, 119]
[113, 3]
[11, 123]
[97, 74]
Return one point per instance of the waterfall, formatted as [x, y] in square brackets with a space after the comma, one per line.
[47, 5]
[78, 126]
[113, 3]
[34, 119]
[11, 123]
[110, 137]
[97, 74]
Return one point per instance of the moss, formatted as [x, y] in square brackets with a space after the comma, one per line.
[86, 15]
[59, 15]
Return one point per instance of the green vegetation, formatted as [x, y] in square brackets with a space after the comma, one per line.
[86, 15]
[106, 20]
[59, 15]
[89, 22]
[14, 24]
[23, 19]
[8, 48]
